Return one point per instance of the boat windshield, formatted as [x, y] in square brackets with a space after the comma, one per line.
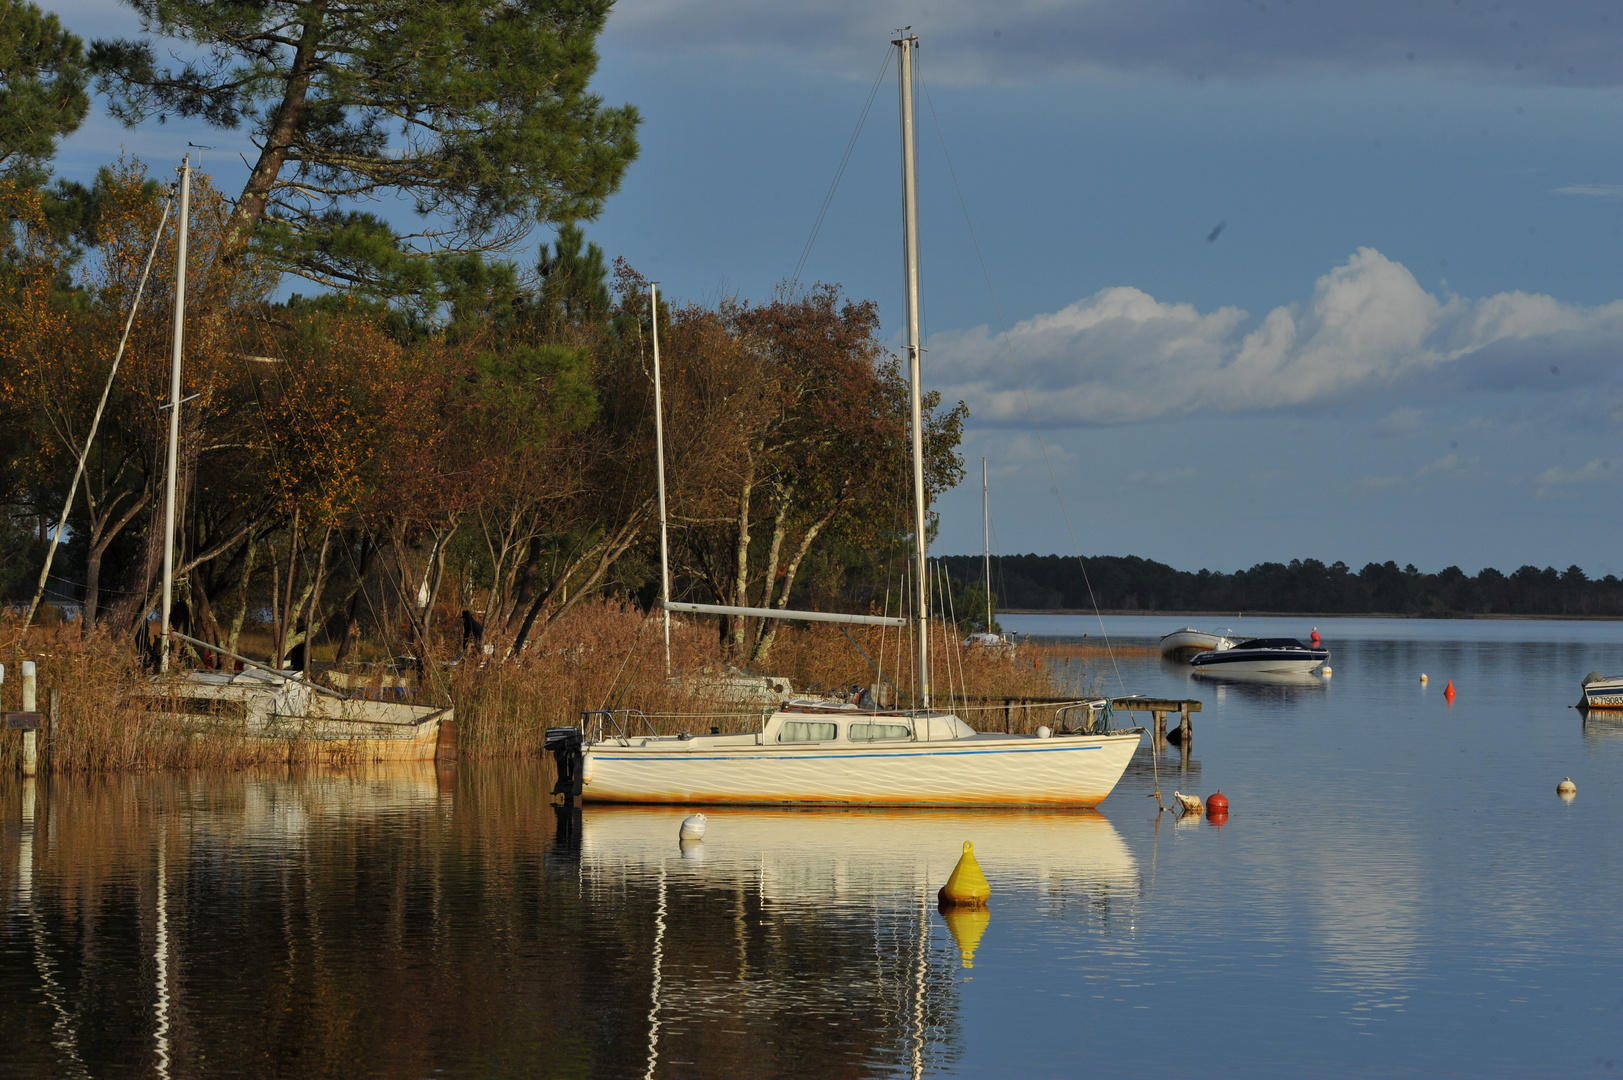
[1271, 643]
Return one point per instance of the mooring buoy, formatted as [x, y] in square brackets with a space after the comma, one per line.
[966, 886]
[1566, 788]
[693, 827]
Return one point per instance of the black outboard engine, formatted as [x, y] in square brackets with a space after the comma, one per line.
[566, 745]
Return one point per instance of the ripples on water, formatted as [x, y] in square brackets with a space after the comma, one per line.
[1398, 891]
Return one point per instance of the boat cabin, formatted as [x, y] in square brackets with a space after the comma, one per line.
[821, 725]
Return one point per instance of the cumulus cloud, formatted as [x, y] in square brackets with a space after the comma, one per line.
[1122, 356]
[1568, 43]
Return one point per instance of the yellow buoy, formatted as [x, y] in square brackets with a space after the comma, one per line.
[967, 926]
[967, 886]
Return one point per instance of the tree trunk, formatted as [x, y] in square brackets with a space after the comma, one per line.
[764, 646]
[352, 624]
[242, 592]
[741, 570]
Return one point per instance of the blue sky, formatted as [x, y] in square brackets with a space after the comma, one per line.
[1403, 343]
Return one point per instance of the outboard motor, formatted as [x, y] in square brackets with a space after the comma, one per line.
[566, 744]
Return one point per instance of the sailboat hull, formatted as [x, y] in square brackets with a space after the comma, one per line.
[982, 770]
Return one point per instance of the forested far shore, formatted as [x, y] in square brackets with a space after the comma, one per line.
[1302, 586]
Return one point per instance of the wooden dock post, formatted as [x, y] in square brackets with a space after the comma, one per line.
[30, 738]
[1160, 729]
[1008, 716]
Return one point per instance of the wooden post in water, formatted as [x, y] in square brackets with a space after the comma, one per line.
[1160, 736]
[30, 738]
[50, 732]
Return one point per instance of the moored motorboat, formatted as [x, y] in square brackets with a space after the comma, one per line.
[1602, 691]
[1187, 643]
[1269, 655]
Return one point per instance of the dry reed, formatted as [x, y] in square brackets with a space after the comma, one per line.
[604, 655]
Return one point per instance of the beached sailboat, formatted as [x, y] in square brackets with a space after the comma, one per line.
[814, 752]
[260, 701]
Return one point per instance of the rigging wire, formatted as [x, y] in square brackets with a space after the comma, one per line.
[1025, 394]
[850, 146]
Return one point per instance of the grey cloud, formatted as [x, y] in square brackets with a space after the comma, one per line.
[1573, 42]
[1368, 329]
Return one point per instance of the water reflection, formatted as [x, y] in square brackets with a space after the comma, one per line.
[393, 923]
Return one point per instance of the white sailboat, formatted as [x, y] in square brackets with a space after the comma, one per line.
[261, 701]
[812, 752]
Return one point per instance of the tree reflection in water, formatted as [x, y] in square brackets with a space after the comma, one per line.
[408, 921]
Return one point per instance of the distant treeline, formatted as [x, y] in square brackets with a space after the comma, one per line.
[1303, 585]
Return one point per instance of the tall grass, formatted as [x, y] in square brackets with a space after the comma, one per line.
[603, 655]
[109, 719]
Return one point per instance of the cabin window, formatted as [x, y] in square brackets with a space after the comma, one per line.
[805, 731]
[866, 732]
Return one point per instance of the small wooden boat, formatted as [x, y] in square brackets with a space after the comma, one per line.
[1187, 643]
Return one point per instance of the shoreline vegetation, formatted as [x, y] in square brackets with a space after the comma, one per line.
[1129, 585]
[607, 654]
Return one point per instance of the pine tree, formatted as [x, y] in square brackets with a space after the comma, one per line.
[475, 113]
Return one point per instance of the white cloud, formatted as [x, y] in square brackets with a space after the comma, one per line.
[1594, 191]
[1446, 463]
[1369, 327]
[1597, 471]
[1400, 422]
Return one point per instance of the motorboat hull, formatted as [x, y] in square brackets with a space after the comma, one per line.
[981, 770]
[1260, 661]
[1187, 643]
[1605, 694]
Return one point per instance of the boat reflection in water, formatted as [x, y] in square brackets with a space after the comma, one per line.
[1262, 685]
[731, 906]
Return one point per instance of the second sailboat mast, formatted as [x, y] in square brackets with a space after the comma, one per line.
[910, 260]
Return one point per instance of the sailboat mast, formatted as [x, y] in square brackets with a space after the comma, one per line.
[910, 258]
[659, 452]
[986, 544]
[174, 410]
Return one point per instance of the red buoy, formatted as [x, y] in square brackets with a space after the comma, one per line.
[1448, 691]
[1315, 638]
[1217, 804]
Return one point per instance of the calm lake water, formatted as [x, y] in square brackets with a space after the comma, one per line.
[1398, 891]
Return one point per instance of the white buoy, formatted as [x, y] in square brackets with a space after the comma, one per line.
[1325, 671]
[1044, 732]
[693, 827]
[1423, 679]
[1566, 788]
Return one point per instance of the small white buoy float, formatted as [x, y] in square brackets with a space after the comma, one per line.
[1045, 732]
[1325, 671]
[693, 827]
[1566, 788]
[1191, 803]
[1423, 679]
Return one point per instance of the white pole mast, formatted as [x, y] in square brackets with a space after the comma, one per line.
[986, 543]
[659, 453]
[174, 410]
[910, 257]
